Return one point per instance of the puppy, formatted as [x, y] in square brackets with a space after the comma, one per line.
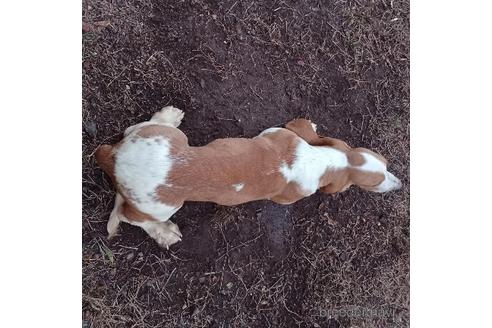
[155, 171]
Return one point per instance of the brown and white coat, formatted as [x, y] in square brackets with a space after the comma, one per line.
[155, 170]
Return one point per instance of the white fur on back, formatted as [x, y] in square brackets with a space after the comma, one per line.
[310, 163]
[269, 130]
[141, 165]
[238, 186]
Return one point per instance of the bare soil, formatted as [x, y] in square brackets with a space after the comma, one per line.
[236, 68]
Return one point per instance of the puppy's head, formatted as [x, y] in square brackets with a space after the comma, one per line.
[369, 171]
[365, 169]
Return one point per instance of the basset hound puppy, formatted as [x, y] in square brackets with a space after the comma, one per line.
[155, 170]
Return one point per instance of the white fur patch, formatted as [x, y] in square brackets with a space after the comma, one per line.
[314, 126]
[169, 116]
[310, 163]
[238, 186]
[141, 165]
[269, 130]
[389, 183]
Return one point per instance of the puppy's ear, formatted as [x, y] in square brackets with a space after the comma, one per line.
[304, 129]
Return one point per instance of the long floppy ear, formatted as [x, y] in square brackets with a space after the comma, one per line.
[304, 129]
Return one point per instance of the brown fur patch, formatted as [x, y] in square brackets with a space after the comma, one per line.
[290, 194]
[208, 173]
[157, 130]
[132, 214]
[105, 159]
[304, 129]
[364, 179]
[355, 158]
[335, 181]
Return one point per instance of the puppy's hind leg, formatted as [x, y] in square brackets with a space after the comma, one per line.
[115, 217]
[164, 233]
[169, 115]
[158, 226]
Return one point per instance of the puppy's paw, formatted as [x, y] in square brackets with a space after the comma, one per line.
[167, 238]
[166, 234]
[173, 228]
[169, 115]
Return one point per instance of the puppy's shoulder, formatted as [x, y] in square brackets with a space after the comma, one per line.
[278, 135]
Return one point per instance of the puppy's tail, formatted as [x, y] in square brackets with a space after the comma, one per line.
[105, 159]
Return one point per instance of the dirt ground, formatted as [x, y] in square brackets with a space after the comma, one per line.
[236, 68]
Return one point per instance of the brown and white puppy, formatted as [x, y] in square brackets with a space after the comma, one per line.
[155, 171]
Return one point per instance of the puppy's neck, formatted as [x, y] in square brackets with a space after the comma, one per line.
[313, 166]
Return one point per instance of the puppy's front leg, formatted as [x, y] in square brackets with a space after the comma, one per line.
[169, 115]
[304, 129]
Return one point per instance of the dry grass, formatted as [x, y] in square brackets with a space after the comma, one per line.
[236, 68]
